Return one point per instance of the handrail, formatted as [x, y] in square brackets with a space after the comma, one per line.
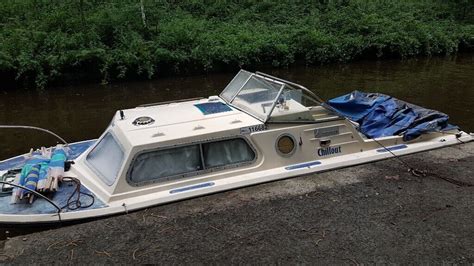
[336, 118]
[168, 102]
[35, 128]
[292, 83]
[36, 193]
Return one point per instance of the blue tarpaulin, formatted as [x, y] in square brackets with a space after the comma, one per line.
[380, 115]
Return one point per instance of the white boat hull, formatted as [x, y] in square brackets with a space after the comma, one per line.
[219, 185]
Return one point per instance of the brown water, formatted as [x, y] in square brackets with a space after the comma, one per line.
[83, 112]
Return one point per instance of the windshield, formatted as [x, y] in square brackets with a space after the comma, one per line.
[257, 96]
[234, 85]
[269, 98]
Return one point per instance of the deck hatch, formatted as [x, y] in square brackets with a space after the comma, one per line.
[213, 108]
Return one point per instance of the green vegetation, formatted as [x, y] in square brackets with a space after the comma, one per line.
[42, 42]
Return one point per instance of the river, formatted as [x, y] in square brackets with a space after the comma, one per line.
[83, 112]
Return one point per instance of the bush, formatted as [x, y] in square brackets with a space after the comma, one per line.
[47, 41]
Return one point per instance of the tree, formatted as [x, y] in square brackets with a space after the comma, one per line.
[142, 9]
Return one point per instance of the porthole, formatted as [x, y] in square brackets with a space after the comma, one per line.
[286, 145]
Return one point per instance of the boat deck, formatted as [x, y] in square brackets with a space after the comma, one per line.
[41, 206]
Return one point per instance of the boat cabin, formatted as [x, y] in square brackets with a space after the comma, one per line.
[155, 146]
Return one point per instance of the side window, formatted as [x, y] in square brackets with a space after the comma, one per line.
[165, 163]
[106, 158]
[226, 152]
[162, 165]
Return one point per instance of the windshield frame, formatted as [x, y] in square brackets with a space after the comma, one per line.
[266, 78]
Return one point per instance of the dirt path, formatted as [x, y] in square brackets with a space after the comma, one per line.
[365, 214]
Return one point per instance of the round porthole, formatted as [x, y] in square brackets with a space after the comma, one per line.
[286, 145]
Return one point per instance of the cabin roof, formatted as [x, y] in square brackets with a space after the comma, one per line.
[179, 120]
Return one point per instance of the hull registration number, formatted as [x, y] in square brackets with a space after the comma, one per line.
[251, 129]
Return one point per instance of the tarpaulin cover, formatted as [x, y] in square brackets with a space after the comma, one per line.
[380, 115]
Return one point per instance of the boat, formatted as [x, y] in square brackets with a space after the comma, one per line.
[259, 129]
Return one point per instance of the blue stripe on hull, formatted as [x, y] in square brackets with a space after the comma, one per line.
[183, 189]
[393, 148]
[302, 165]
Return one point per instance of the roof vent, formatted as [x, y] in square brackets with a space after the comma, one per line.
[143, 120]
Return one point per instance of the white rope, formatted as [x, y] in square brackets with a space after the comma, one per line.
[35, 128]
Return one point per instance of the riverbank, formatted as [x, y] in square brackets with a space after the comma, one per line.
[374, 213]
[57, 42]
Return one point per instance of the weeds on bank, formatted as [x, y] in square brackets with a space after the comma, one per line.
[44, 41]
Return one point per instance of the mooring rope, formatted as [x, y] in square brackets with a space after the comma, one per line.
[424, 173]
[458, 135]
[74, 204]
[34, 128]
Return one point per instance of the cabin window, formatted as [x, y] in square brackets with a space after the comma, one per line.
[232, 151]
[164, 163]
[106, 158]
[172, 163]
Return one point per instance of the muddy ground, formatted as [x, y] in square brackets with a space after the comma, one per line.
[366, 214]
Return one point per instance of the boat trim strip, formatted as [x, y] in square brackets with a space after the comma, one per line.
[303, 165]
[393, 148]
[183, 189]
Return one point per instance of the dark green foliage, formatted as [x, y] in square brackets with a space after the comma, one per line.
[44, 41]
